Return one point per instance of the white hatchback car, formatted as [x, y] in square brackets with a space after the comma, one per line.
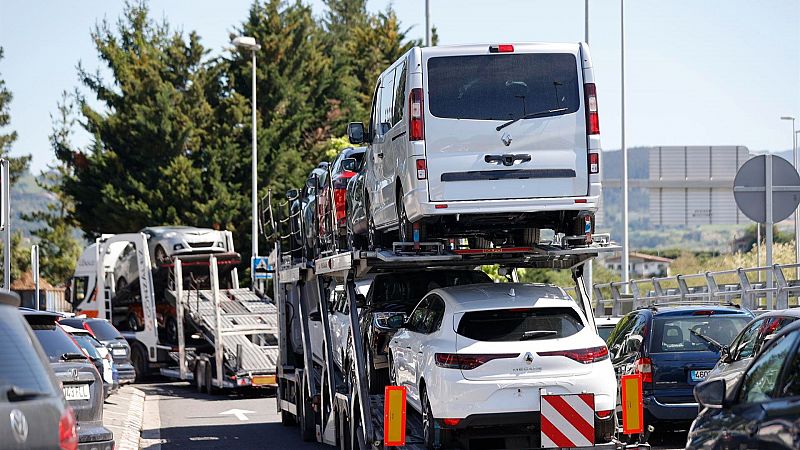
[484, 140]
[474, 359]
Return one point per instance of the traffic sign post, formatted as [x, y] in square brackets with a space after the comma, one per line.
[767, 190]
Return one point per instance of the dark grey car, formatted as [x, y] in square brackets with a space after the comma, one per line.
[81, 383]
[119, 348]
[33, 412]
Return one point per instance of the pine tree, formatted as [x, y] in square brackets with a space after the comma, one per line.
[17, 165]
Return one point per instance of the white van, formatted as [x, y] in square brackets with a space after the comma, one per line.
[492, 141]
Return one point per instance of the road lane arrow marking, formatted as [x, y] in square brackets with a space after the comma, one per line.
[239, 413]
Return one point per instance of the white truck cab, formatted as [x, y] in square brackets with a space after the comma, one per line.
[484, 140]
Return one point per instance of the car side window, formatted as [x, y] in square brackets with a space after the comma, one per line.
[617, 338]
[416, 321]
[791, 385]
[399, 93]
[387, 103]
[433, 319]
[634, 339]
[373, 117]
[761, 379]
[745, 344]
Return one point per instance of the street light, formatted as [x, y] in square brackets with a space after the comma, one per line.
[625, 243]
[249, 43]
[796, 215]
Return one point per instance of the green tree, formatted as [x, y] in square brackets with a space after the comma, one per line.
[17, 165]
[434, 36]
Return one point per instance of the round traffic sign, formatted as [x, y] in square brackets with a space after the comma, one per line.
[751, 188]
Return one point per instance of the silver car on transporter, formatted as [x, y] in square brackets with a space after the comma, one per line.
[484, 141]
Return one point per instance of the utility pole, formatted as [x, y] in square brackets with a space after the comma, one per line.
[586, 21]
[625, 246]
[427, 23]
[5, 197]
[35, 272]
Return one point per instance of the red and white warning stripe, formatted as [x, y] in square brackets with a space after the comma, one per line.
[567, 420]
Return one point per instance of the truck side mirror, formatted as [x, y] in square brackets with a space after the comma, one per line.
[361, 301]
[355, 133]
[350, 164]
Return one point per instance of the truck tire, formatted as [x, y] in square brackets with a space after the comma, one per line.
[287, 419]
[305, 415]
[209, 377]
[139, 361]
[199, 376]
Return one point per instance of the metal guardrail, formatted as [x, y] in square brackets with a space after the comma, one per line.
[741, 286]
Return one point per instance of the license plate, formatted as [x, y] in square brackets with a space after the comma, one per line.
[261, 380]
[119, 352]
[76, 392]
[698, 375]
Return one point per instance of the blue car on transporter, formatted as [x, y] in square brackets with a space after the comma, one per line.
[674, 348]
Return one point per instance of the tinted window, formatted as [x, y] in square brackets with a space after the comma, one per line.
[762, 377]
[408, 289]
[387, 103]
[745, 344]
[502, 87]
[433, 319]
[399, 93]
[605, 332]
[20, 365]
[104, 331]
[55, 341]
[682, 334]
[87, 343]
[512, 324]
[417, 320]
[791, 385]
[621, 331]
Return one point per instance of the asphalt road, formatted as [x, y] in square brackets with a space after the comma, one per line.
[177, 417]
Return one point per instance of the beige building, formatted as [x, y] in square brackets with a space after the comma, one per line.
[640, 265]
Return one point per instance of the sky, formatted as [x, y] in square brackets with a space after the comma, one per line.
[712, 72]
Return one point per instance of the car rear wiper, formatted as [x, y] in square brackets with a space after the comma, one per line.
[707, 339]
[17, 394]
[71, 356]
[536, 334]
[531, 116]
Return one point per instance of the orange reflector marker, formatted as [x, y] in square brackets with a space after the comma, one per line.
[632, 407]
[394, 416]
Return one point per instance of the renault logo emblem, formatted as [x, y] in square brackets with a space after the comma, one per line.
[19, 426]
[506, 139]
[74, 373]
[528, 358]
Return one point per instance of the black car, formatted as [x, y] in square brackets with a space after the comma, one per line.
[33, 412]
[303, 209]
[332, 206]
[393, 293]
[117, 346]
[763, 409]
[359, 234]
[674, 349]
[81, 383]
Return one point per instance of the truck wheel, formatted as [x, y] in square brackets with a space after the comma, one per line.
[199, 376]
[305, 416]
[209, 377]
[404, 226]
[287, 419]
[139, 361]
[527, 237]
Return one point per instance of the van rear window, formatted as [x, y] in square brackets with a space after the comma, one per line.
[519, 324]
[502, 86]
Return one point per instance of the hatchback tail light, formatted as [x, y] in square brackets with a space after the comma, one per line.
[582, 355]
[644, 366]
[416, 116]
[592, 119]
[468, 362]
[68, 430]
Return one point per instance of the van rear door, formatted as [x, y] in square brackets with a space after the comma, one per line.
[473, 90]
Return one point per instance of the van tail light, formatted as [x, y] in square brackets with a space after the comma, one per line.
[416, 125]
[468, 361]
[422, 169]
[592, 119]
[582, 355]
[68, 430]
[594, 163]
[644, 366]
[451, 422]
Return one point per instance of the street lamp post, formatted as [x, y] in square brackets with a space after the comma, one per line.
[796, 214]
[249, 43]
[625, 248]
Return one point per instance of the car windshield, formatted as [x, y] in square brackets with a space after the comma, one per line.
[502, 86]
[21, 366]
[408, 288]
[104, 331]
[55, 341]
[520, 324]
[605, 331]
[87, 343]
[695, 333]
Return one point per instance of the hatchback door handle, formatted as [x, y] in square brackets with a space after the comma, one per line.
[408, 348]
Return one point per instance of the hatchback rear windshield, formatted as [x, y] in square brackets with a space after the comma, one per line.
[503, 86]
[409, 288]
[519, 324]
[55, 341]
[87, 343]
[21, 366]
[692, 334]
[104, 331]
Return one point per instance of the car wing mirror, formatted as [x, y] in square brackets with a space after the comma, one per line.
[350, 164]
[361, 301]
[312, 182]
[396, 321]
[292, 194]
[725, 354]
[711, 394]
[355, 133]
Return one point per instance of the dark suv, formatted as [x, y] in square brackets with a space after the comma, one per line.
[674, 348]
[393, 293]
[33, 412]
[82, 385]
[119, 348]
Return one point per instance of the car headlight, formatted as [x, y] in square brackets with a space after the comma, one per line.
[177, 247]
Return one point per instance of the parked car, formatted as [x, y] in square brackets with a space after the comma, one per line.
[674, 348]
[473, 359]
[735, 358]
[98, 354]
[339, 320]
[393, 293]
[761, 411]
[343, 168]
[484, 140]
[605, 325]
[81, 383]
[357, 221]
[106, 333]
[33, 412]
[304, 211]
